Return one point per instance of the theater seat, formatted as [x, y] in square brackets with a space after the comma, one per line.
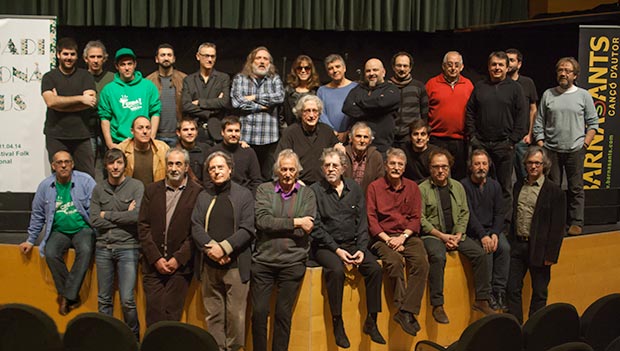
[600, 322]
[98, 332]
[168, 335]
[552, 325]
[572, 346]
[26, 328]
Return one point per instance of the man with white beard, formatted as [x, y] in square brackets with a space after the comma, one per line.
[256, 93]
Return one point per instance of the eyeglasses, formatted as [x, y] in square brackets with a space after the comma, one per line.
[564, 70]
[304, 68]
[534, 163]
[206, 55]
[310, 110]
[442, 167]
[63, 162]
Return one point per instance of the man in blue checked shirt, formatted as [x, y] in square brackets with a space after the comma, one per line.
[256, 93]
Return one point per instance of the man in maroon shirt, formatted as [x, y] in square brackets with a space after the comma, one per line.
[393, 204]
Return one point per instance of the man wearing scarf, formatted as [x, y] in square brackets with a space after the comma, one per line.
[413, 98]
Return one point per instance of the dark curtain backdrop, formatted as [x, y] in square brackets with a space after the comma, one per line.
[338, 15]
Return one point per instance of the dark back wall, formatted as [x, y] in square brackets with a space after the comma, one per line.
[541, 45]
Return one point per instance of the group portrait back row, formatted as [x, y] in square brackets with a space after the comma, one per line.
[240, 183]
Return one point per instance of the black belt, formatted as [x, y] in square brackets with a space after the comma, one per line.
[523, 239]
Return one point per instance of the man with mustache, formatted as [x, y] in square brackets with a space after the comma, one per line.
[376, 103]
[445, 215]
[69, 93]
[393, 204]
[169, 82]
[365, 162]
[496, 119]
[206, 94]
[340, 241]
[164, 230]
[413, 98]
[246, 171]
[62, 205]
[486, 218]
[565, 126]
[308, 138]
[256, 93]
[145, 156]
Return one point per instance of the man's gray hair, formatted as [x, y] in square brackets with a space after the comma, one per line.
[299, 107]
[226, 156]
[95, 44]
[182, 151]
[361, 125]
[332, 151]
[533, 150]
[286, 153]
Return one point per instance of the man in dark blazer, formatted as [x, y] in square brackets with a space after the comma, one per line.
[206, 95]
[164, 230]
[539, 217]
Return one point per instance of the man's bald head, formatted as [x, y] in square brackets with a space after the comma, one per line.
[374, 72]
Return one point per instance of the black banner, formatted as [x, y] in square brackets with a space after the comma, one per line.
[598, 57]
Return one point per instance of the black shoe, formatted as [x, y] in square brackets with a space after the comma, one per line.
[493, 302]
[440, 315]
[406, 321]
[370, 328]
[501, 301]
[341, 337]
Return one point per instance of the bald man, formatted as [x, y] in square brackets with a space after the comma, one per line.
[375, 102]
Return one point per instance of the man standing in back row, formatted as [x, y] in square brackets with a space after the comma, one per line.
[565, 126]
[69, 93]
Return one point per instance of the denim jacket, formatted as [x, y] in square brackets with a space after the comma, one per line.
[44, 204]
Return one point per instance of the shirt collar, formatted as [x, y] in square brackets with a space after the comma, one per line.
[288, 195]
[182, 187]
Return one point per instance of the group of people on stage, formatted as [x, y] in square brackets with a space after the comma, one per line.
[241, 183]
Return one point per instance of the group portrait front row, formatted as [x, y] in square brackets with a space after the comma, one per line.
[244, 247]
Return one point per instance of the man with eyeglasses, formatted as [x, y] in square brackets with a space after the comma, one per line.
[62, 204]
[445, 214]
[393, 206]
[565, 126]
[537, 231]
[413, 98]
[206, 95]
[448, 93]
[308, 138]
[340, 241]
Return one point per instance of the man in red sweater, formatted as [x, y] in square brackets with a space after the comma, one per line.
[448, 93]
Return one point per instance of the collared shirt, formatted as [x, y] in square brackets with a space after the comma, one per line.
[287, 195]
[172, 199]
[393, 210]
[526, 204]
[258, 126]
[358, 167]
[341, 219]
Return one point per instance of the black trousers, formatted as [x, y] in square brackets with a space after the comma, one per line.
[436, 250]
[334, 275]
[165, 296]
[287, 280]
[502, 155]
[266, 159]
[81, 150]
[540, 276]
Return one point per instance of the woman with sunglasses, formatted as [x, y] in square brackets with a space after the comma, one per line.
[303, 80]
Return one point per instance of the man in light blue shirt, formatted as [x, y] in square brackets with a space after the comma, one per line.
[565, 125]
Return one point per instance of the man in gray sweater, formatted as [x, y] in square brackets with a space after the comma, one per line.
[115, 204]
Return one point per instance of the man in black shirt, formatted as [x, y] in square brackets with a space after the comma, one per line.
[187, 132]
[496, 119]
[417, 150]
[341, 241]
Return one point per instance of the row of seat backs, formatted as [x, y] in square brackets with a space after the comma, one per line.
[26, 328]
[556, 327]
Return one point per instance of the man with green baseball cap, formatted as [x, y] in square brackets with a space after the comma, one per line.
[128, 96]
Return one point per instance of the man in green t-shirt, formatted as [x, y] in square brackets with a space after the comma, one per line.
[62, 203]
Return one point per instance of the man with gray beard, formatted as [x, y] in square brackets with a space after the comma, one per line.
[256, 93]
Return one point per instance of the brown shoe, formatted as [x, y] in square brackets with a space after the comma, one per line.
[575, 230]
[483, 306]
[63, 306]
[440, 315]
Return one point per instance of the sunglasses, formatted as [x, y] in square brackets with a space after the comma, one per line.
[304, 68]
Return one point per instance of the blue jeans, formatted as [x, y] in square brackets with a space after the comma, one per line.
[68, 283]
[499, 264]
[126, 261]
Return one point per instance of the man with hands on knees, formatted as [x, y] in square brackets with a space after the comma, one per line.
[393, 204]
[340, 240]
